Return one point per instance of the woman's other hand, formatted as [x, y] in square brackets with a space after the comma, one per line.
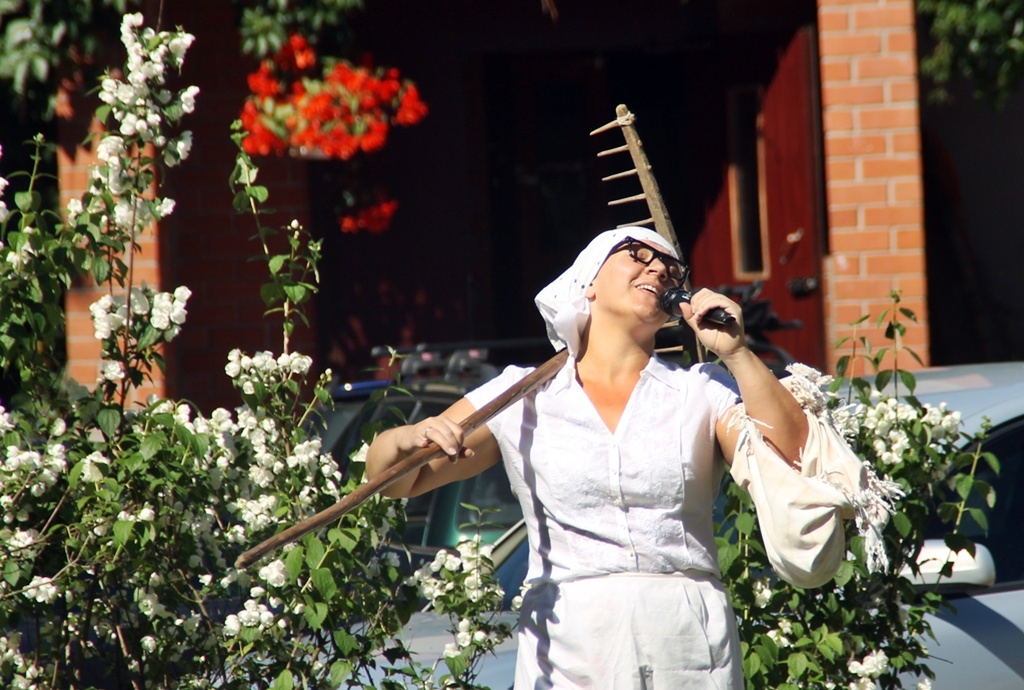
[722, 340]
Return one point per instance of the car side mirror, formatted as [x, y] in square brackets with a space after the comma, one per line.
[968, 571]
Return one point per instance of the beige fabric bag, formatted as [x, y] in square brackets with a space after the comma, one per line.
[801, 511]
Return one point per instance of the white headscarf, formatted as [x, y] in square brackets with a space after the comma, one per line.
[563, 303]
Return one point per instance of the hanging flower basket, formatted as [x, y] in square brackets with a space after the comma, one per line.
[331, 109]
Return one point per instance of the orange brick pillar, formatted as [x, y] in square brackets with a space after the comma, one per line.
[873, 175]
[83, 349]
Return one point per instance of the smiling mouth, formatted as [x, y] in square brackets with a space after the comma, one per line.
[646, 287]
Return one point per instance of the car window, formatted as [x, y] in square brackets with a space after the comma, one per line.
[490, 491]
[1003, 538]
[511, 571]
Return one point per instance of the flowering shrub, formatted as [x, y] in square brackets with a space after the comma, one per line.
[460, 584]
[862, 630]
[121, 523]
[330, 108]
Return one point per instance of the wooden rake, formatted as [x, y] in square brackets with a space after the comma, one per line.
[662, 224]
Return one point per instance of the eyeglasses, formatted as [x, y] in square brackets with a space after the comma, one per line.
[644, 254]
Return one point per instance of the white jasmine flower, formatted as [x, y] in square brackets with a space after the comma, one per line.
[113, 371]
[871, 666]
[42, 590]
[91, 471]
[274, 574]
[360, 455]
[762, 593]
[232, 626]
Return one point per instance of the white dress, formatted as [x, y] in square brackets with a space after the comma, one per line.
[625, 590]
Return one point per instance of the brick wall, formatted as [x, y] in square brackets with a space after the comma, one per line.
[872, 167]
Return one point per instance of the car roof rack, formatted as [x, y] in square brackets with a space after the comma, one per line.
[455, 360]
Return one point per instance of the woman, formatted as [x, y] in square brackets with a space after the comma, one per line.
[616, 462]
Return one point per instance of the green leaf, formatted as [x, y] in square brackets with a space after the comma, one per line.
[293, 563]
[75, 473]
[882, 379]
[340, 670]
[241, 201]
[745, 523]
[315, 613]
[985, 490]
[457, 664]
[958, 542]
[324, 582]
[346, 641]
[979, 517]
[123, 531]
[797, 664]
[902, 523]
[108, 419]
[29, 201]
[258, 192]
[314, 552]
[101, 271]
[275, 263]
[12, 572]
[963, 483]
[151, 445]
[345, 539]
[844, 574]
[842, 364]
[271, 293]
[284, 681]
[150, 337]
[296, 293]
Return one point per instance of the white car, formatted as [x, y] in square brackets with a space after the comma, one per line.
[981, 645]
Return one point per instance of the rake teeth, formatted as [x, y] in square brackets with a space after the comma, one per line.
[645, 221]
[616, 176]
[617, 149]
[604, 128]
[628, 199]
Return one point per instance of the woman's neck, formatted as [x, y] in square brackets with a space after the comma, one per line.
[612, 354]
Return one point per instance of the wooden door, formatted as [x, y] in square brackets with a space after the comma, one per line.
[766, 223]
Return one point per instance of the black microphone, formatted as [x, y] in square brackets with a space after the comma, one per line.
[673, 297]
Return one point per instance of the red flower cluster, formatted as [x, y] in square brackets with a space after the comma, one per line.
[375, 218]
[331, 108]
[335, 110]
